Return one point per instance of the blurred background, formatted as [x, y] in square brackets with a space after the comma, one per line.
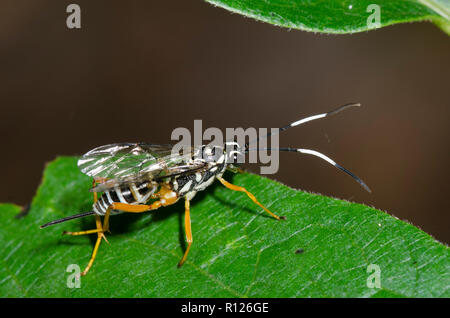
[136, 70]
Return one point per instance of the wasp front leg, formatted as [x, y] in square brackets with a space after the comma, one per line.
[250, 195]
[187, 227]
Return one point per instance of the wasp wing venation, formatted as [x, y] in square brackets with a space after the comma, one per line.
[122, 159]
[127, 163]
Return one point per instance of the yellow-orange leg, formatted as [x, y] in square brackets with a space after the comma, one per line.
[132, 208]
[98, 220]
[251, 196]
[187, 227]
[99, 230]
[94, 183]
[100, 235]
[167, 197]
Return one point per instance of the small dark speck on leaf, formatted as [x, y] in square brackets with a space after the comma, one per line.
[300, 251]
[25, 210]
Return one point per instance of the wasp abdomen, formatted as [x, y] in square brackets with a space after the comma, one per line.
[130, 194]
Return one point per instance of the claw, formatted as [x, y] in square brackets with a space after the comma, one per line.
[102, 234]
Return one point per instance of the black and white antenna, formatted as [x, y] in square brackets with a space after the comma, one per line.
[321, 156]
[305, 120]
[309, 151]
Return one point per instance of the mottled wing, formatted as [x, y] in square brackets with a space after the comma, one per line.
[134, 162]
[123, 159]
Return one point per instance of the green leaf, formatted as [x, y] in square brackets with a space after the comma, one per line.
[322, 249]
[344, 16]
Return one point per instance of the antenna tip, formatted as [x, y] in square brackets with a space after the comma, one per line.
[343, 107]
[365, 186]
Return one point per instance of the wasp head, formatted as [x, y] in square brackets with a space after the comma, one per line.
[235, 153]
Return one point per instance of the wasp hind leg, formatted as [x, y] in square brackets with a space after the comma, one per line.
[100, 229]
[250, 195]
[138, 208]
[100, 235]
[98, 220]
[155, 205]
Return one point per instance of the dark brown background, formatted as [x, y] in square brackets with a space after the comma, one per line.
[135, 71]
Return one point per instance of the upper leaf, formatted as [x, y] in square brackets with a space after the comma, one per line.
[341, 16]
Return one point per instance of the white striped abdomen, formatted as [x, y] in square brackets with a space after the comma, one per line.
[129, 194]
